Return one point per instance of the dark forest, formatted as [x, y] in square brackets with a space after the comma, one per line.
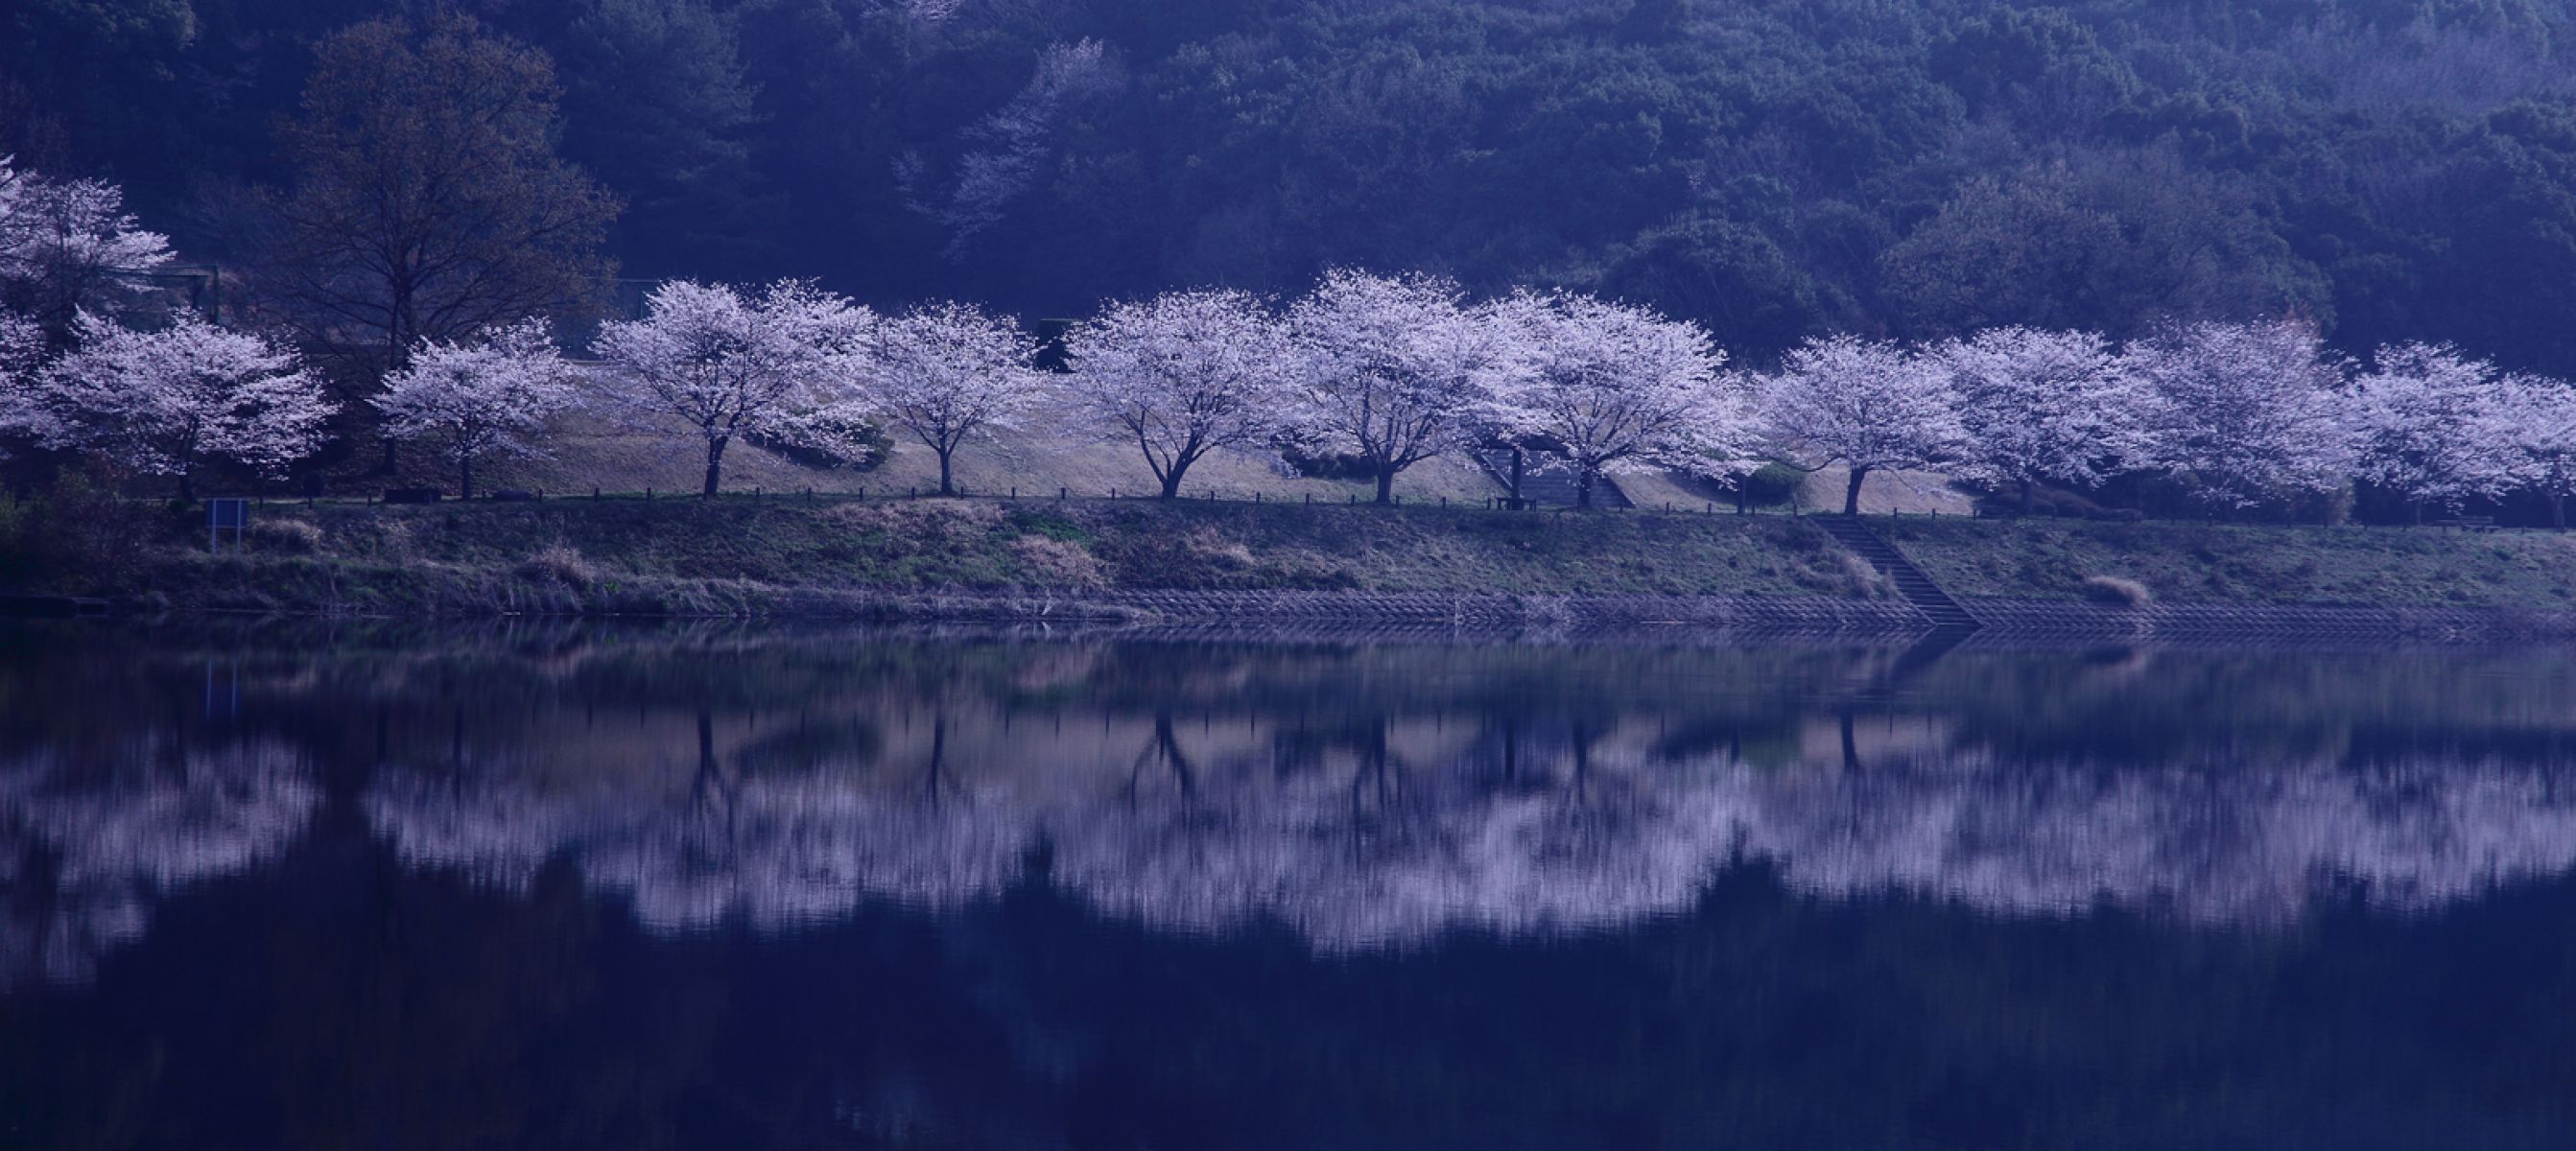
[1774, 169]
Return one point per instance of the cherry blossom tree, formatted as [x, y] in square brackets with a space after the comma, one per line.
[2043, 407]
[727, 365]
[2535, 417]
[1010, 151]
[2246, 412]
[1183, 375]
[2424, 427]
[162, 402]
[488, 396]
[1391, 369]
[1867, 405]
[22, 354]
[22, 348]
[68, 246]
[949, 373]
[1612, 388]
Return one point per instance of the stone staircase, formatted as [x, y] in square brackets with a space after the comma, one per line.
[1917, 588]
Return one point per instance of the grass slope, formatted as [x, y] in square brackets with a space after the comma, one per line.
[2219, 563]
[697, 555]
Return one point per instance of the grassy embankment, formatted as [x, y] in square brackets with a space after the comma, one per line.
[740, 555]
[2236, 564]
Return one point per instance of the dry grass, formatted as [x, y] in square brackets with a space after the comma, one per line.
[1059, 563]
[591, 453]
[284, 537]
[2118, 592]
[559, 563]
[1911, 493]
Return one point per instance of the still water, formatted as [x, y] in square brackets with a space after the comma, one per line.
[263, 887]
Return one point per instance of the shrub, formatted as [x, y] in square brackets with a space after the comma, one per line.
[1771, 485]
[830, 443]
[83, 529]
[1328, 465]
[2117, 592]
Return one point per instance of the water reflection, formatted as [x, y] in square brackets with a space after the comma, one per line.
[1362, 798]
[88, 841]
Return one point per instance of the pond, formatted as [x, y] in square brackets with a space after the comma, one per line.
[267, 886]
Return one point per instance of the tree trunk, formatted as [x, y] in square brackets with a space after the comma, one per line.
[715, 465]
[946, 487]
[2026, 486]
[1516, 478]
[2417, 509]
[465, 478]
[2558, 510]
[1851, 494]
[1172, 481]
[1385, 484]
[1583, 489]
[387, 467]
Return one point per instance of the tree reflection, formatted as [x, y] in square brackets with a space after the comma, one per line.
[1364, 797]
[88, 843]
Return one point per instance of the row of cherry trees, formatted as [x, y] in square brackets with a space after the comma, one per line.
[1391, 371]
[1395, 371]
[2244, 414]
[1384, 372]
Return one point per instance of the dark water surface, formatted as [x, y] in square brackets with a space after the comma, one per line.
[557, 887]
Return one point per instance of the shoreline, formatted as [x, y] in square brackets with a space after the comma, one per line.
[1384, 615]
[1254, 569]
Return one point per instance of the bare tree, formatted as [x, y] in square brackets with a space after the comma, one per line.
[428, 201]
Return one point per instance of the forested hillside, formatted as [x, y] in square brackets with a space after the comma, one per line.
[2393, 169]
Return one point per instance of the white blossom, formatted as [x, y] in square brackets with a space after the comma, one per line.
[2535, 417]
[727, 365]
[949, 373]
[68, 245]
[1606, 388]
[2424, 427]
[161, 402]
[1867, 405]
[490, 396]
[1182, 375]
[2246, 412]
[1012, 147]
[22, 349]
[1392, 370]
[2044, 407]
